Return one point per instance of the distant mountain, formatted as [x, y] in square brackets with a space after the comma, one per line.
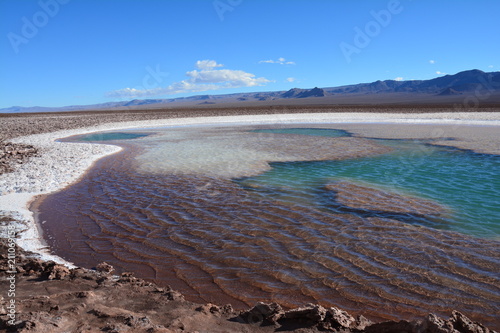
[19, 109]
[461, 82]
[135, 102]
[443, 89]
[303, 93]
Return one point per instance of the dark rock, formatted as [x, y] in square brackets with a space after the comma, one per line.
[82, 273]
[266, 314]
[362, 322]
[311, 313]
[464, 325]
[57, 272]
[336, 318]
[402, 326]
[33, 267]
[434, 324]
[210, 309]
[104, 267]
[173, 295]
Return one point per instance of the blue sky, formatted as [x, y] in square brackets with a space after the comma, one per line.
[68, 52]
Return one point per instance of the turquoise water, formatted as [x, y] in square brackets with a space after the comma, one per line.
[467, 183]
[111, 136]
[333, 133]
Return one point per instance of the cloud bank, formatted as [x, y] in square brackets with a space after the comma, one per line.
[206, 77]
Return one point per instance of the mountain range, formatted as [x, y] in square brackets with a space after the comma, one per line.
[465, 87]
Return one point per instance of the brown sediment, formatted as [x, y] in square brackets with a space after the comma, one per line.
[51, 298]
[368, 197]
[212, 241]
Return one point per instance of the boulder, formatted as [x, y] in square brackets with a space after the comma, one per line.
[105, 268]
[311, 313]
[266, 314]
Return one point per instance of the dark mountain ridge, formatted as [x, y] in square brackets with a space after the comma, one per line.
[436, 90]
[464, 81]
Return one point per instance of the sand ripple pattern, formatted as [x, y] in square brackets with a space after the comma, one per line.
[215, 242]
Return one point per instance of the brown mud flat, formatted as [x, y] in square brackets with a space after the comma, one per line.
[51, 298]
[215, 243]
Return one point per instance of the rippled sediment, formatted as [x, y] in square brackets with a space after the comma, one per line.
[215, 242]
[224, 247]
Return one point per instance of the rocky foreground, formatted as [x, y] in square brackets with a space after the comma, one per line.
[14, 153]
[53, 298]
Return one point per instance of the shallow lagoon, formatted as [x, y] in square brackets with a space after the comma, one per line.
[466, 182]
[276, 231]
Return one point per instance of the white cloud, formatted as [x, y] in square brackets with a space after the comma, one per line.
[490, 66]
[399, 78]
[291, 79]
[205, 78]
[280, 61]
[432, 62]
[440, 73]
[207, 64]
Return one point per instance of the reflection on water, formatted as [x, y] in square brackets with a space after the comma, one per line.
[343, 233]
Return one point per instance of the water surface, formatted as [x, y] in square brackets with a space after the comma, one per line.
[397, 234]
[465, 182]
[111, 136]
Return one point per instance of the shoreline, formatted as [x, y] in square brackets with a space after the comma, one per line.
[62, 164]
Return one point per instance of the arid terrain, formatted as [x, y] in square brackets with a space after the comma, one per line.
[50, 297]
